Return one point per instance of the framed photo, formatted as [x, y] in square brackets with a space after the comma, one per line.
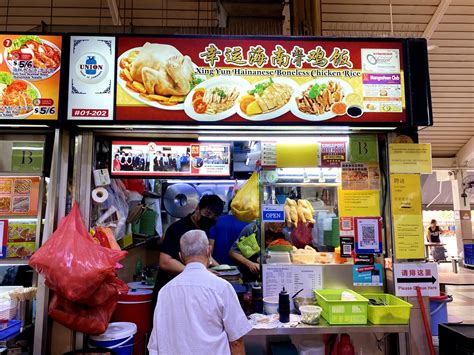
[368, 235]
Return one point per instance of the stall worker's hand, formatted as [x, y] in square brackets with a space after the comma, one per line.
[253, 267]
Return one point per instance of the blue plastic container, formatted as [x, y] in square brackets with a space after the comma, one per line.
[439, 311]
[469, 254]
[119, 337]
[10, 330]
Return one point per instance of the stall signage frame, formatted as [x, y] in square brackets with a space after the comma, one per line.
[44, 86]
[383, 88]
[273, 213]
[408, 276]
[91, 75]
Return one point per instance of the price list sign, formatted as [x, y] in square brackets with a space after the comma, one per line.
[29, 76]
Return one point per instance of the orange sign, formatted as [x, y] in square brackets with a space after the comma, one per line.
[19, 195]
[29, 76]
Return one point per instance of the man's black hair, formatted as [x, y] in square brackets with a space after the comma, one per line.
[212, 203]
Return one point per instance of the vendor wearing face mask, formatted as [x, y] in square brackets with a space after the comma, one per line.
[204, 217]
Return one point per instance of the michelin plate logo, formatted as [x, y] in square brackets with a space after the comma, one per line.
[91, 68]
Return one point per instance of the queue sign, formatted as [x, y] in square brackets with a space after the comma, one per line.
[273, 213]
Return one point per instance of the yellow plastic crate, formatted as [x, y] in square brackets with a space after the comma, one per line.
[337, 311]
[397, 310]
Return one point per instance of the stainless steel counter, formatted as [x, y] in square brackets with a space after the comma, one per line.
[325, 328]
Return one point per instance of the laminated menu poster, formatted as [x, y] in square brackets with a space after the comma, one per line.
[293, 278]
[406, 194]
[410, 158]
[29, 76]
[358, 203]
[360, 176]
[408, 237]
[170, 158]
[253, 80]
[19, 195]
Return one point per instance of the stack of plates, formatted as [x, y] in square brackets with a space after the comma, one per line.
[229, 273]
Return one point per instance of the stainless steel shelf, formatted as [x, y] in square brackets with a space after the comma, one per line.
[325, 328]
[303, 184]
[13, 174]
[11, 262]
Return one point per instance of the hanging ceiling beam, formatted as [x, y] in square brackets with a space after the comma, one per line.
[114, 12]
[436, 18]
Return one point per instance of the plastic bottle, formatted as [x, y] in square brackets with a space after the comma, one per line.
[345, 347]
[284, 306]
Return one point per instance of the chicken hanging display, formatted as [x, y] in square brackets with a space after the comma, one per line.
[298, 212]
[162, 70]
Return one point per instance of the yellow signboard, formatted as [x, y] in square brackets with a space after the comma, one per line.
[409, 238]
[406, 194]
[410, 158]
[359, 203]
[296, 155]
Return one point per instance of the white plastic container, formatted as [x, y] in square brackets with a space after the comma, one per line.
[270, 305]
[310, 314]
[278, 257]
[311, 347]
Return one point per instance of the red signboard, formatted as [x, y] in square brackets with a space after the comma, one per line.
[254, 81]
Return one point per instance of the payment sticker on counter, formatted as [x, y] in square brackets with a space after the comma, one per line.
[367, 275]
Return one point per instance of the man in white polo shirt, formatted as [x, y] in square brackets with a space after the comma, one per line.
[198, 312]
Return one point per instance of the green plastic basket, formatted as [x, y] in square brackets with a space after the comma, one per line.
[396, 312]
[336, 311]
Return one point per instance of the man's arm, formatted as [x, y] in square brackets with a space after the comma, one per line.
[211, 244]
[169, 264]
[253, 267]
[237, 347]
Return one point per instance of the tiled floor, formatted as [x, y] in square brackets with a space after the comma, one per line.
[462, 306]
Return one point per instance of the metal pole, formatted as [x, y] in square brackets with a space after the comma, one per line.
[57, 190]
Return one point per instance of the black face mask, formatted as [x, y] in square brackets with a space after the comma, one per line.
[206, 223]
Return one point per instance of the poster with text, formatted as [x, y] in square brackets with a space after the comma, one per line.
[253, 80]
[29, 76]
[406, 194]
[170, 159]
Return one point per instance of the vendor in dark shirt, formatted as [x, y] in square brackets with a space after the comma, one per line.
[434, 232]
[204, 217]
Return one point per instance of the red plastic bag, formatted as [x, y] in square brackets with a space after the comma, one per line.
[82, 318]
[302, 235]
[72, 264]
[106, 290]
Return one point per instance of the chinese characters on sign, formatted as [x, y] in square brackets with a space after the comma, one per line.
[279, 57]
[408, 276]
[282, 80]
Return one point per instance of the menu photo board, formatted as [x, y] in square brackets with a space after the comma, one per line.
[19, 195]
[251, 80]
[171, 159]
[30, 68]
